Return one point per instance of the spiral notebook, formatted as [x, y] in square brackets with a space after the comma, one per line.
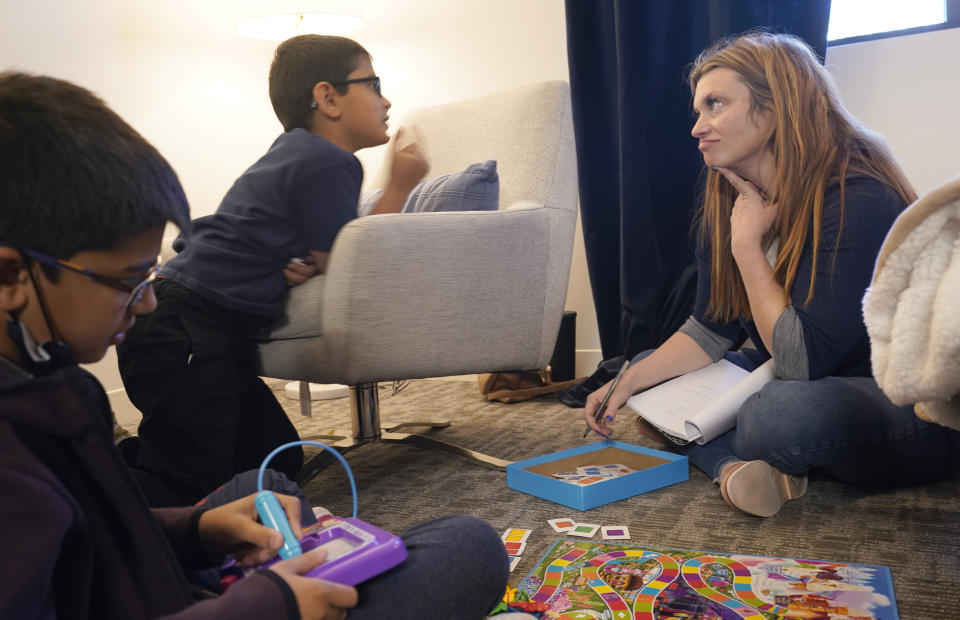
[703, 404]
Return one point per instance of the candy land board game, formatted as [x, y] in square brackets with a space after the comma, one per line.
[582, 580]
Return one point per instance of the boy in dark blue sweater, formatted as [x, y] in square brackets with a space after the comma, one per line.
[188, 367]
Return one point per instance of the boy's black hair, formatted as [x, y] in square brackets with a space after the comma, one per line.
[75, 176]
[299, 64]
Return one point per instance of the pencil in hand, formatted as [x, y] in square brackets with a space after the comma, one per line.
[598, 414]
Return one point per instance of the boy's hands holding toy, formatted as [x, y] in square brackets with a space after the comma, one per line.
[317, 599]
[234, 528]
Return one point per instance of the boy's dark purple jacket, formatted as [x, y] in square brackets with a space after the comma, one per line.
[77, 537]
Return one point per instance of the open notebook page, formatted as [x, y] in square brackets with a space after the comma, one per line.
[701, 404]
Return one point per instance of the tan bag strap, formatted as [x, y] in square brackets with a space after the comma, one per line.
[514, 396]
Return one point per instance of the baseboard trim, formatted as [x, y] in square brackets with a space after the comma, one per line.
[127, 415]
[586, 361]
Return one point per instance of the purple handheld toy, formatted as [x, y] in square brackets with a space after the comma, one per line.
[356, 550]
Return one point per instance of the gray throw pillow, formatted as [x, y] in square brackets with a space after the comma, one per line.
[475, 189]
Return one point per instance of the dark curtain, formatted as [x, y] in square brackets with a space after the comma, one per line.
[639, 168]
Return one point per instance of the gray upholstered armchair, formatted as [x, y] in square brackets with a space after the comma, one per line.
[437, 294]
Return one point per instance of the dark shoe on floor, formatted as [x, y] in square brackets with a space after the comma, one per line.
[576, 395]
[129, 448]
[759, 489]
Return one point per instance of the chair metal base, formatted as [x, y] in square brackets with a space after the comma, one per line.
[365, 410]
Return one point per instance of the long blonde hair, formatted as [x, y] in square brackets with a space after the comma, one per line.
[815, 143]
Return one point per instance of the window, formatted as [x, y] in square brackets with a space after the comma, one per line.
[852, 21]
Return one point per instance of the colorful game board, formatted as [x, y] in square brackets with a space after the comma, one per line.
[583, 580]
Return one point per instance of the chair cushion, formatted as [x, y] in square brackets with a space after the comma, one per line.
[302, 313]
[477, 188]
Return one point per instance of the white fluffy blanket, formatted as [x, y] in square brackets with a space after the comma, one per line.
[912, 308]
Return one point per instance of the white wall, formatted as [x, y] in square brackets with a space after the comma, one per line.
[902, 87]
[178, 72]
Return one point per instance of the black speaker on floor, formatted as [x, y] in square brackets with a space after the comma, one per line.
[564, 353]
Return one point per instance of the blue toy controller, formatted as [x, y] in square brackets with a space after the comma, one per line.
[272, 515]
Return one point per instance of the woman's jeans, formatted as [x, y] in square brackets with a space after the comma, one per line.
[842, 426]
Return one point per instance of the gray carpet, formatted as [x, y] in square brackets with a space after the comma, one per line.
[915, 531]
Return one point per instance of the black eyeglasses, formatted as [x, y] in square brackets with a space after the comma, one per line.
[136, 289]
[374, 83]
[373, 80]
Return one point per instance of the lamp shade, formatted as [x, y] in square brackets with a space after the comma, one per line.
[281, 19]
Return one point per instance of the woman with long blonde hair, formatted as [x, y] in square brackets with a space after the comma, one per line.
[798, 198]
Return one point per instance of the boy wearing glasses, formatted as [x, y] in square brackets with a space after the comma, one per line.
[80, 537]
[76, 260]
[188, 367]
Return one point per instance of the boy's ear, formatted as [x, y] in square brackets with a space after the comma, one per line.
[14, 280]
[327, 99]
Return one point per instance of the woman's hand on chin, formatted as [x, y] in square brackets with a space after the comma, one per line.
[752, 216]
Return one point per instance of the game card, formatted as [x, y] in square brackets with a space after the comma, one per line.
[615, 532]
[562, 525]
[515, 534]
[515, 548]
[587, 530]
